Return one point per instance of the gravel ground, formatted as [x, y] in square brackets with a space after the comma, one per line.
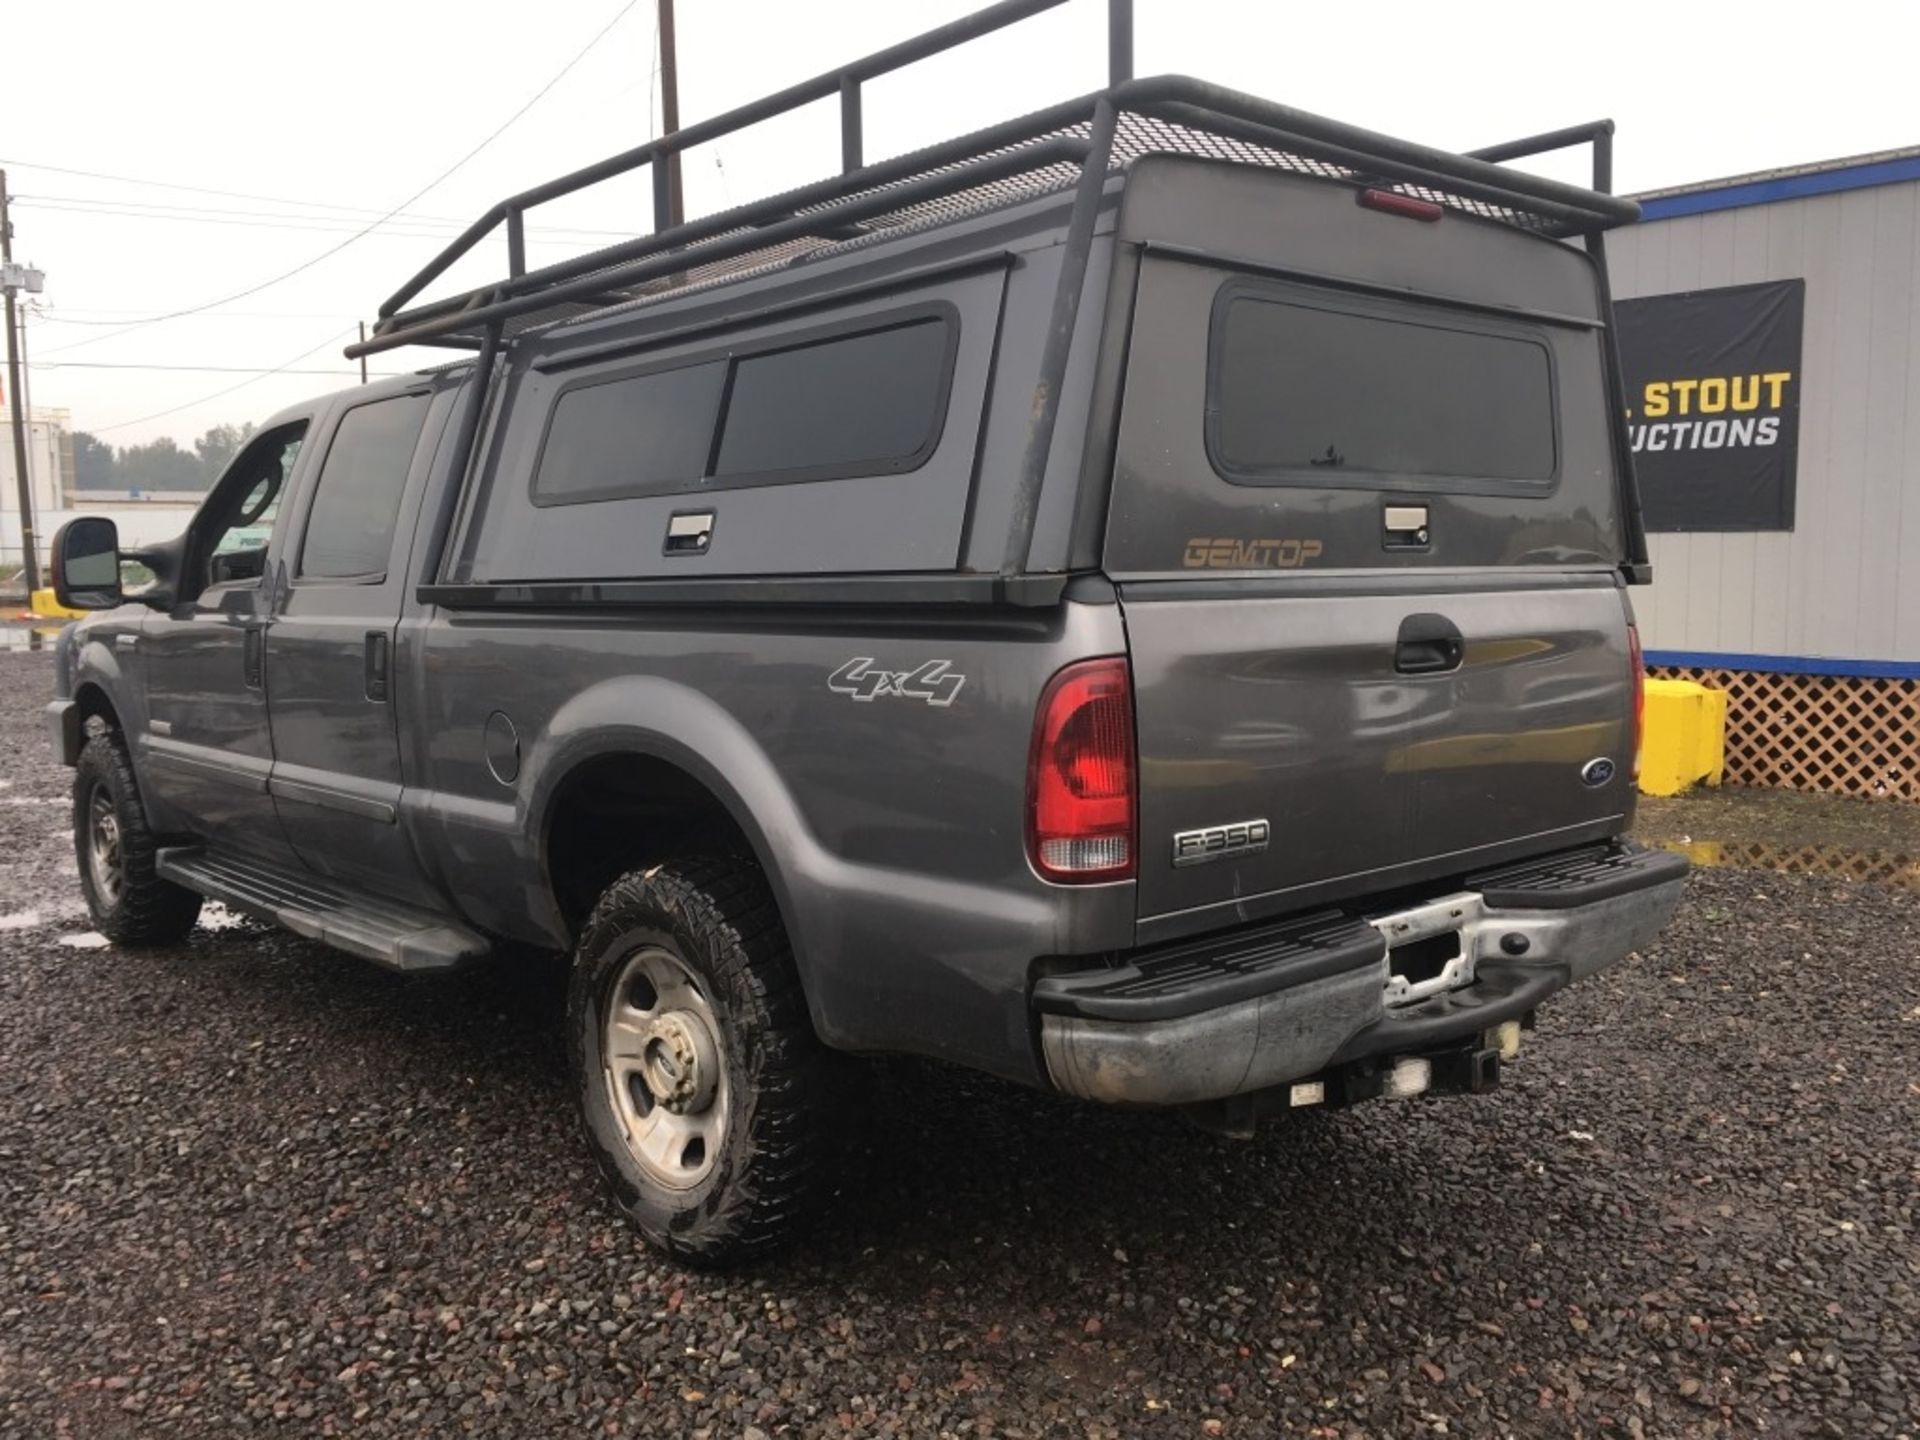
[247, 1183]
[1783, 820]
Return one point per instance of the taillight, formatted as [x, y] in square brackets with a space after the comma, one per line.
[1639, 693]
[1080, 775]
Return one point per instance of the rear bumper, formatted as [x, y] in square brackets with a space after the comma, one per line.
[1202, 1021]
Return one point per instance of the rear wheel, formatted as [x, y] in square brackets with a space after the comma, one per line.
[708, 1100]
[129, 902]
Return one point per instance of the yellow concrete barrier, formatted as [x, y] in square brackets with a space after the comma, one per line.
[1685, 740]
[43, 603]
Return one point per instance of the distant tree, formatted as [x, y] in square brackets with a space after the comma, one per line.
[92, 463]
[218, 446]
[159, 465]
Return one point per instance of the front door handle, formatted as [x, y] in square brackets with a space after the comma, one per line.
[1428, 645]
[379, 649]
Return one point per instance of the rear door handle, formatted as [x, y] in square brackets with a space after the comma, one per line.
[253, 649]
[1428, 645]
[379, 647]
[689, 532]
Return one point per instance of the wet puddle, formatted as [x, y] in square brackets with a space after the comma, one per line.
[1835, 860]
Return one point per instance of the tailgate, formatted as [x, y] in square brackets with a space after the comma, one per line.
[1291, 710]
[1367, 539]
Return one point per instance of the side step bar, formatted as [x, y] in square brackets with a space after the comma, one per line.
[400, 937]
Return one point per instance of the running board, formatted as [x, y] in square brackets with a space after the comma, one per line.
[400, 937]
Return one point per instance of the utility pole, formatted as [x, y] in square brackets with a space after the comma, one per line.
[363, 359]
[670, 110]
[29, 543]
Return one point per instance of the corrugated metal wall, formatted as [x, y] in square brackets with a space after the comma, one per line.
[1845, 583]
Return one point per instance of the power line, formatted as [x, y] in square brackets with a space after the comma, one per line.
[393, 232]
[251, 379]
[333, 250]
[96, 205]
[313, 225]
[206, 190]
[47, 315]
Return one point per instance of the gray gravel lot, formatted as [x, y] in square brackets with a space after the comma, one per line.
[248, 1183]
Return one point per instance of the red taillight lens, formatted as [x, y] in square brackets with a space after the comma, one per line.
[1080, 776]
[1392, 202]
[1639, 693]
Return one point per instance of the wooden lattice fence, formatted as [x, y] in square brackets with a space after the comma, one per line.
[1844, 735]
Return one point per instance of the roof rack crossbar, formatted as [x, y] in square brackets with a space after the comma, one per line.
[1597, 133]
[651, 265]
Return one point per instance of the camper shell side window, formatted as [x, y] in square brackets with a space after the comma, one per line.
[855, 398]
[840, 436]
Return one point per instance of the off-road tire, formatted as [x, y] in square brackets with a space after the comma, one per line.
[147, 910]
[784, 1090]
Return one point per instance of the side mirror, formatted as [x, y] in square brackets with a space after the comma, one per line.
[86, 564]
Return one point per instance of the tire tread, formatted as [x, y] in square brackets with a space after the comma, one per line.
[152, 910]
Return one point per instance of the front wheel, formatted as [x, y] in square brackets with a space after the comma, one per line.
[129, 902]
[708, 1100]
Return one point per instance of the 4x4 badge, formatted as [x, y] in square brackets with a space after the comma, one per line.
[935, 681]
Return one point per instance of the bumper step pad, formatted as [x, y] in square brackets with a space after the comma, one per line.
[1578, 877]
[400, 937]
[1186, 978]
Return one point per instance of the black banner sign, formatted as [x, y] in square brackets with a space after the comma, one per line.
[1713, 404]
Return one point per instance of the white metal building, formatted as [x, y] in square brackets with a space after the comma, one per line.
[1817, 628]
[1844, 583]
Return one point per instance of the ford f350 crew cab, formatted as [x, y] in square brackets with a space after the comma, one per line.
[1133, 600]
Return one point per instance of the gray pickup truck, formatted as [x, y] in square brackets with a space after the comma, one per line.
[1132, 600]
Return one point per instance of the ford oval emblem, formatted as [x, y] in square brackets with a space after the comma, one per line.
[1597, 772]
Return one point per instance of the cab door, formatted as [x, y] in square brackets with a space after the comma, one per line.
[207, 751]
[330, 650]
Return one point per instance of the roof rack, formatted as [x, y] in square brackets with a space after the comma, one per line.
[1047, 150]
[1075, 145]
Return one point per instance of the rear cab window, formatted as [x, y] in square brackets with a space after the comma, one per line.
[356, 502]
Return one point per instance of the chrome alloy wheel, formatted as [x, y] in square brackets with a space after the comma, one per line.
[660, 1049]
[104, 859]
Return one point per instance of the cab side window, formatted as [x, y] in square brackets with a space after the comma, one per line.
[356, 501]
[244, 506]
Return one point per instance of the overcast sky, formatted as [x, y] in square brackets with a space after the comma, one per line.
[321, 118]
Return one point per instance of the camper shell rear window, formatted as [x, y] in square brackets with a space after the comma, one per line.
[1314, 387]
[848, 400]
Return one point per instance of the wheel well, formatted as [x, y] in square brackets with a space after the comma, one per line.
[93, 704]
[616, 813]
